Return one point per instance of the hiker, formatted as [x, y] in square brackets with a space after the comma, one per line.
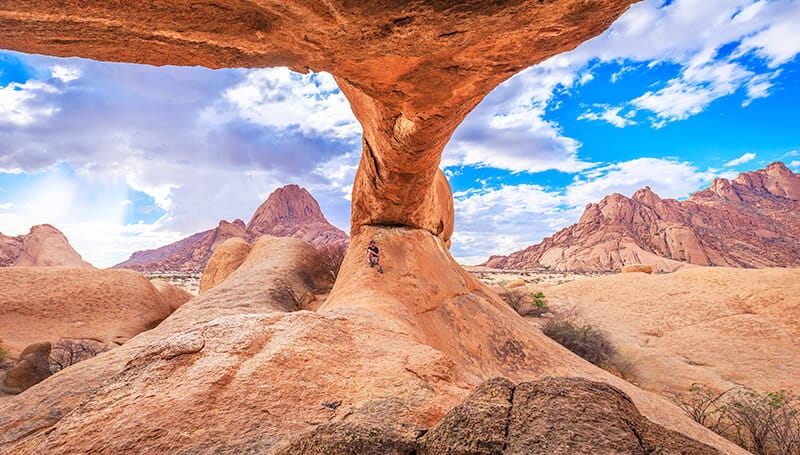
[373, 256]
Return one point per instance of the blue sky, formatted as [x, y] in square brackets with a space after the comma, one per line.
[126, 157]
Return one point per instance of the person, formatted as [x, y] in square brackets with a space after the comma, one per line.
[373, 256]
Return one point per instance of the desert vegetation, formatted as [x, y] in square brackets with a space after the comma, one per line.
[65, 353]
[3, 352]
[331, 257]
[525, 303]
[590, 343]
[765, 423]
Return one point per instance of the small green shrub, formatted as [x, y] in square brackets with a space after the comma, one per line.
[525, 304]
[584, 340]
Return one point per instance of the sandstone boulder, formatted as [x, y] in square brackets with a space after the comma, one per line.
[552, 416]
[33, 367]
[518, 283]
[51, 303]
[637, 268]
[225, 260]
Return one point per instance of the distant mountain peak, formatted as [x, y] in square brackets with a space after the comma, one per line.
[287, 204]
[44, 245]
[750, 221]
[289, 211]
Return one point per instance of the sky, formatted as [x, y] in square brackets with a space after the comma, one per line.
[125, 157]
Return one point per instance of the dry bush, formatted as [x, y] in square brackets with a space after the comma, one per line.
[621, 367]
[3, 353]
[763, 423]
[588, 342]
[69, 352]
[331, 258]
[526, 304]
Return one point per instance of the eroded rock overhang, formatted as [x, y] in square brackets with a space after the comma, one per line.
[411, 70]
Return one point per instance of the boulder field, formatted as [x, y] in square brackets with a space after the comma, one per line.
[244, 368]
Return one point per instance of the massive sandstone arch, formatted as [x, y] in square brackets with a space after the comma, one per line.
[405, 346]
[412, 70]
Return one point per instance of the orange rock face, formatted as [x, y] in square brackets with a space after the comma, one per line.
[237, 370]
[290, 211]
[49, 303]
[752, 221]
[225, 260]
[44, 245]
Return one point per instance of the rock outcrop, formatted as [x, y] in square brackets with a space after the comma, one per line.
[225, 260]
[637, 268]
[242, 370]
[289, 211]
[552, 416]
[751, 221]
[44, 245]
[719, 326]
[50, 303]
[32, 368]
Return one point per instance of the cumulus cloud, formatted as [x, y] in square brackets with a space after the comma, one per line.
[507, 130]
[609, 114]
[747, 157]
[20, 103]
[203, 144]
[716, 48]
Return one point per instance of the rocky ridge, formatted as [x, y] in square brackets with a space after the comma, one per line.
[752, 221]
[44, 245]
[289, 211]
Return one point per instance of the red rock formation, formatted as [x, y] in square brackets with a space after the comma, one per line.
[289, 211]
[752, 221]
[44, 245]
[237, 370]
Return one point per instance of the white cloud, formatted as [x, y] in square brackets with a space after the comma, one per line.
[792, 153]
[20, 104]
[747, 157]
[795, 165]
[504, 219]
[277, 97]
[6, 206]
[65, 73]
[508, 130]
[608, 114]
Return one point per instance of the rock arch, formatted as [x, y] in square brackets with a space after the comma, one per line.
[412, 70]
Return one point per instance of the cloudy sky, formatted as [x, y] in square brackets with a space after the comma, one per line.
[127, 157]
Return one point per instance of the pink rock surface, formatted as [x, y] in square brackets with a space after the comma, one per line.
[752, 221]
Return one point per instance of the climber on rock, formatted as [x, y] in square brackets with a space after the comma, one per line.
[373, 256]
